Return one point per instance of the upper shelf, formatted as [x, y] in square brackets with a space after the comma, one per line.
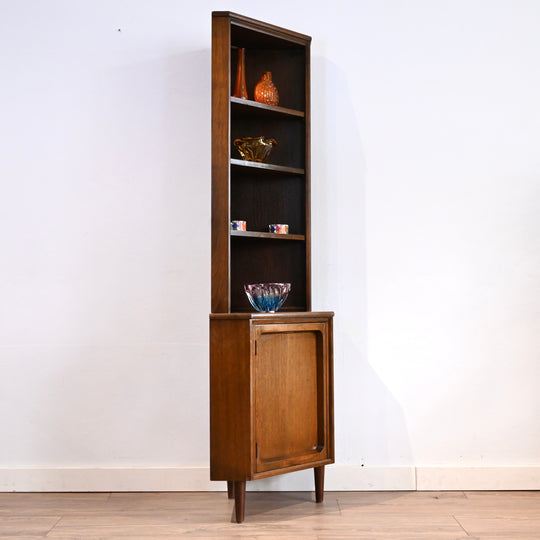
[240, 164]
[270, 236]
[253, 107]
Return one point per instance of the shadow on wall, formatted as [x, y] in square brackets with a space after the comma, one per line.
[370, 425]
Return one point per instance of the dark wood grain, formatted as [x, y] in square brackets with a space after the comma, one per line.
[319, 484]
[230, 399]
[239, 500]
[288, 73]
[330, 388]
[269, 200]
[307, 166]
[221, 77]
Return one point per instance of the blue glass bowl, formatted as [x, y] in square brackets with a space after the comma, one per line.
[267, 297]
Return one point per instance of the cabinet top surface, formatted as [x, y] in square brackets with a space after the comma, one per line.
[261, 26]
[281, 316]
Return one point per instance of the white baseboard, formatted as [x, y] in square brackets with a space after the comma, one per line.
[338, 478]
[477, 478]
[63, 479]
[341, 478]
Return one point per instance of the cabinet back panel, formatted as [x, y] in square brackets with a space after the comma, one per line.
[287, 132]
[255, 260]
[264, 200]
[288, 69]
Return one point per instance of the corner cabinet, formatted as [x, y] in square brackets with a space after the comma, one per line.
[271, 389]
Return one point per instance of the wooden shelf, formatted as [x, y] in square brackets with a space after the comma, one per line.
[253, 107]
[265, 167]
[270, 236]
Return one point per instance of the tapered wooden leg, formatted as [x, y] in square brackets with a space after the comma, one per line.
[239, 500]
[230, 489]
[319, 483]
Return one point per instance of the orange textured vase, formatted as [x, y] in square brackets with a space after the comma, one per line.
[266, 91]
[240, 89]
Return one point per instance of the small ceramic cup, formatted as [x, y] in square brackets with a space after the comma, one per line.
[279, 228]
[238, 225]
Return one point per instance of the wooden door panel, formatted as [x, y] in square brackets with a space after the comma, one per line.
[289, 395]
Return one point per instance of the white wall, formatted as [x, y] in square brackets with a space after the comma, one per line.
[426, 220]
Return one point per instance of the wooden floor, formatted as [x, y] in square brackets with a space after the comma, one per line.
[343, 515]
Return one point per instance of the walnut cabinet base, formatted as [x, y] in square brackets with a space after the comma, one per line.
[271, 398]
[237, 491]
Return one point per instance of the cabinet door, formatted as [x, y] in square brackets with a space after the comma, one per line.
[291, 395]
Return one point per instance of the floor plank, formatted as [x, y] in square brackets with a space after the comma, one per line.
[17, 525]
[512, 527]
[286, 516]
[52, 503]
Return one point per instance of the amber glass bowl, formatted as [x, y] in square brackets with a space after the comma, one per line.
[255, 148]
